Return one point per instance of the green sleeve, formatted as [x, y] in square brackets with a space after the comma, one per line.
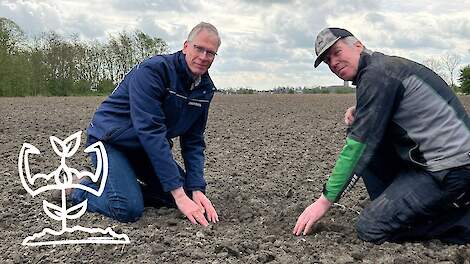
[343, 170]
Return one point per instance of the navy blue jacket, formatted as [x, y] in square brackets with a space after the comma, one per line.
[154, 103]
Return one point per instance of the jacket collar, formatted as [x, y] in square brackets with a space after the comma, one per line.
[183, 69]
[363, 62]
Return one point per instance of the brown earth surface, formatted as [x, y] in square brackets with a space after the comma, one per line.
[267, 158]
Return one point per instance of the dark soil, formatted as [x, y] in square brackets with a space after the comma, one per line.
[267, 158]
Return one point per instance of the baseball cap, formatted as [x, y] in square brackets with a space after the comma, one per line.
[325, 39]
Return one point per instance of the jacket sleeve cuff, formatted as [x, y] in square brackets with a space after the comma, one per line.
[328, 195]
[168, 187]
[196, 188]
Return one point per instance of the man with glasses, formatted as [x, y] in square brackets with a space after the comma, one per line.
[409, 139]
[164, 97]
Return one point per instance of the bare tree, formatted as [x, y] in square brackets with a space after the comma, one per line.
[437, 65]
[434, 64]
[451, 62]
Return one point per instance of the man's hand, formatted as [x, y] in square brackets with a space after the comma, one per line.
[349, 115]
[190, 209]
[203, 202]
[311, 215]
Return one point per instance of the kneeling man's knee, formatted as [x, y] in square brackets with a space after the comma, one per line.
[370, 229]
[125, 210]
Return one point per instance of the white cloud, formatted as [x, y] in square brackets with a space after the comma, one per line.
[264, 43]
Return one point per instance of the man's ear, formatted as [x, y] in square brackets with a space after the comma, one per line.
[358, 44]
[185, 46]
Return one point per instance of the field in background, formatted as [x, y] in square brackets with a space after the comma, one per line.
[267, 158]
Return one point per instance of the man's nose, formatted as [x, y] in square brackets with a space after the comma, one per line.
[334, 62]
[204, 55]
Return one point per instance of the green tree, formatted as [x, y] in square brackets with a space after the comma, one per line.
[464, 79]
[105, 87]
[125, 50]
[11, 36]
[51, 64]
[13, 64]
[148, 46]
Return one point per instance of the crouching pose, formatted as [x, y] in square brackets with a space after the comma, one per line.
[164, 97]
[409, 139]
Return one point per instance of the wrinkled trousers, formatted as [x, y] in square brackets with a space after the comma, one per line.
[410, 204]
[131, 184]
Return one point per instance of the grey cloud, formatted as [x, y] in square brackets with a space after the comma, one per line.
[299, 31]
[255, 47]
[148, 25]
[236, 64]
[458, 27]
[294, 28]
[381, 22]
[86, 26]
[264, 2]
[174, 37]
[31, 20]
[293, 33]
[286, 40]
[414, 41]
[375, 18]
[297, 67]
[267, 53]
[283, 40]
[465, 59]
[338, 7]
[42, 18]
[156, 5]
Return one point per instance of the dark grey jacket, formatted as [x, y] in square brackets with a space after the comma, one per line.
[412, 107]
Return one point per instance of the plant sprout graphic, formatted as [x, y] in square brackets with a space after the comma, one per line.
[63, 178]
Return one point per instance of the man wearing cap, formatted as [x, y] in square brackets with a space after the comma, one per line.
[409, 139]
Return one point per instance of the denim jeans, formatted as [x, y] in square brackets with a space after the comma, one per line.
[412, 204]
[131, 185]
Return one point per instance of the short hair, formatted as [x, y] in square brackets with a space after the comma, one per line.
[350, 40]
[204, 26]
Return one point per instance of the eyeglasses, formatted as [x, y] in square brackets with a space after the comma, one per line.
[201, 50]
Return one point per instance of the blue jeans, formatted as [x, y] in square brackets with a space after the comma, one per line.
[412, 204]
[124, 197]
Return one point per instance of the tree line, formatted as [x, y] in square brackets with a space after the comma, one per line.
[54, 65]
[336, 89]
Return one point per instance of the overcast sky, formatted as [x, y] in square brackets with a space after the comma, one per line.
[265, 44]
